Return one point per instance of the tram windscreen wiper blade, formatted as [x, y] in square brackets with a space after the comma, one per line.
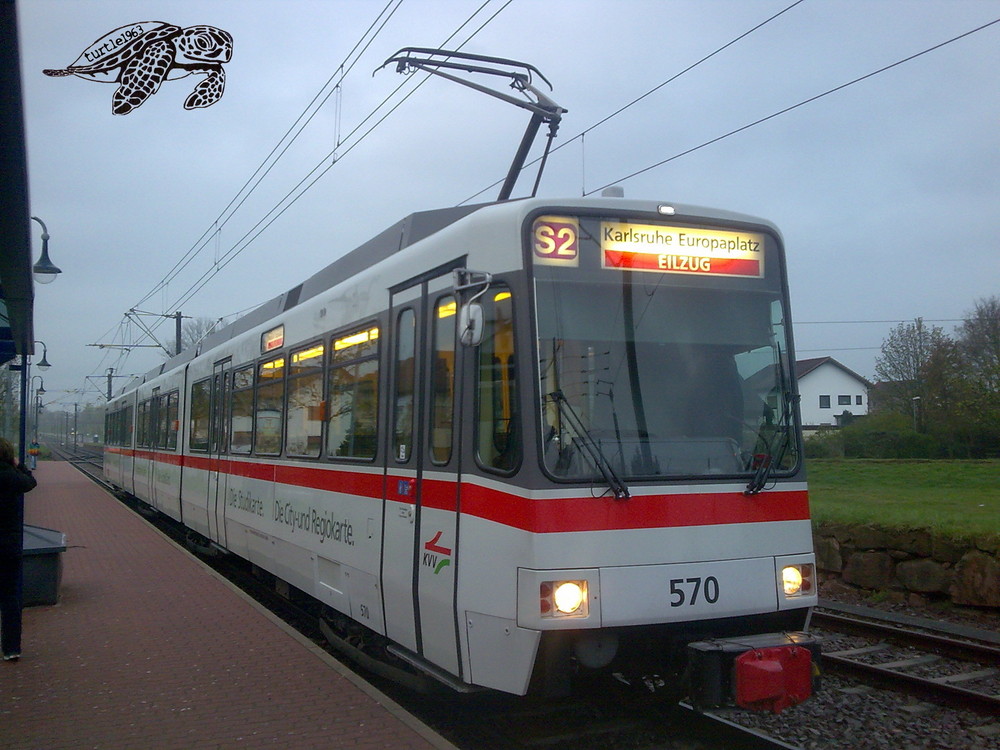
[618, 487]
[776, 448]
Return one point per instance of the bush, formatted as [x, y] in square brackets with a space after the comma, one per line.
[875, 436]
[825, 444]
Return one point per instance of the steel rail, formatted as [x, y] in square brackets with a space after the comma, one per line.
[929, 688]
[941, 644]
[939, 689]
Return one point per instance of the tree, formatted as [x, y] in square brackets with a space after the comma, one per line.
[979, 337]
[948, 406]
[949, 387]
[979, 344]
[901, 368]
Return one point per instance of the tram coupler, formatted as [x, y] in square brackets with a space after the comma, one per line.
[767, 672]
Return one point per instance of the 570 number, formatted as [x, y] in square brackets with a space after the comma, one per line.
[687, 590]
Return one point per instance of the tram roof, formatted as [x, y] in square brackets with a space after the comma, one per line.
[418, 226]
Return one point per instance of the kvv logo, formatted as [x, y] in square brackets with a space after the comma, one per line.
[436, 556]
[141, 56]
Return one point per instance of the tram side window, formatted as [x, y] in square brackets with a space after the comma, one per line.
[153, 421]
[200, 393]
[304, 435]
[218, 430]
[403, 392]
[241, 420]
[270, 398]
[127, 427]
[498, 443]
[142, 439]
[443, 379]
[173, 414]
[352, 423]
[160, 423]
[168, 421]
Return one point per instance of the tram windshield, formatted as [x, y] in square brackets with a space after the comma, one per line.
[655, 376]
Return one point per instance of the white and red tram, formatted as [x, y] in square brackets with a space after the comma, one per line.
[516, 440]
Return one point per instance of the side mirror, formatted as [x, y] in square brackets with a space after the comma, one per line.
[470, 324]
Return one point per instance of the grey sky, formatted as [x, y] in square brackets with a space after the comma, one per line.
[887, 192]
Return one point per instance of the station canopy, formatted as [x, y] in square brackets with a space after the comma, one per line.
[16, 288]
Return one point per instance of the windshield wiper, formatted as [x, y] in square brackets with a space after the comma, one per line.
[592, 447]
[782, 437]
[775, 447]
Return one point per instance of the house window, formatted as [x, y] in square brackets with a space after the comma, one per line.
[843, 400]
[858, 401]
[824, 402]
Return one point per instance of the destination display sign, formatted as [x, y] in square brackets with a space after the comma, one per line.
[273, 339]
[665, 249]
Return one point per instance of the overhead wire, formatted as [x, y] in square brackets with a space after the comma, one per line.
[582, 134]
[272, 159]
[288, 200]
[319, 170]
[802, 103]
[268, 163]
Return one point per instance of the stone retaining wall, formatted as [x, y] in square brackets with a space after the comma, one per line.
[917, 562]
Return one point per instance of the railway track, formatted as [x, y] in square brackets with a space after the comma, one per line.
[602, 716]
[935, 666]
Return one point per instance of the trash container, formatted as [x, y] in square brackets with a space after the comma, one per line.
[43, 550]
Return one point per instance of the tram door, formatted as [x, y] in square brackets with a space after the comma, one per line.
[218, 447]
[421, 495]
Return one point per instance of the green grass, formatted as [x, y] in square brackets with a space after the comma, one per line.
[955, 498]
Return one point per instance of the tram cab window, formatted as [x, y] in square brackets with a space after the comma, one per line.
[270, 398]
[305, 402]
[200, 399]
[352, 415]
[662, 379]
[443, 380]
[241, 416]
[498, 444]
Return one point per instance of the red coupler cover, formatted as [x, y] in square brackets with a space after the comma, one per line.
[772, 679]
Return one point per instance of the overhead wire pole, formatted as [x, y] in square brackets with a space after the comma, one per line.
[133, 313]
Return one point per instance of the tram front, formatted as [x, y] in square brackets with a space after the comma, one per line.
[668, 435]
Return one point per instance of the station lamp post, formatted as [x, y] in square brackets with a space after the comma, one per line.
[39, 392]
[45, 270]
[43, 364]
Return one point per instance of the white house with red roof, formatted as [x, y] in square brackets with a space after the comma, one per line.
[828, 389]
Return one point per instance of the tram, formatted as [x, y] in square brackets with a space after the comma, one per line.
[513, 443]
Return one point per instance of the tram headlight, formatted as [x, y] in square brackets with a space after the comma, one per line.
[797, 580]
[563, 599]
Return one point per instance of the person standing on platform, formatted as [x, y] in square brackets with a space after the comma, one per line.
[15, 480]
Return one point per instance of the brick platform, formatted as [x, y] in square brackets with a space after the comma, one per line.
[148, 648]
